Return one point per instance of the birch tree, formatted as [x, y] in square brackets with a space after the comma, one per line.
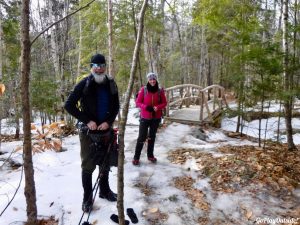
[203, 58]
[53, 35]
[183, 67]
[79, 46]
[110, 38]
[64, 62]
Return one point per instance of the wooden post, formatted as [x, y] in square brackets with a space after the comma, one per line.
[220, 92]
[206, 105]
[188, 101]
[219, 97]
[201, 105]
[215, 98]
[172, 95]
[168, 103]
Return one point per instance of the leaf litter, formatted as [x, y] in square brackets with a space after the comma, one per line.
[269, 175]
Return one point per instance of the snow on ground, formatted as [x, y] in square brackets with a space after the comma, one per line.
[269, 127]
[58, 179]
[272, 106]
[7, 127]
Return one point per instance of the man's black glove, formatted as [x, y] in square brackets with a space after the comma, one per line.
[149, 108]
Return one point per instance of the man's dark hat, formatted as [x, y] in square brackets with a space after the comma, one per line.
[98, 59]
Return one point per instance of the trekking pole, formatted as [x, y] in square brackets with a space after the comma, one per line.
[96, 185]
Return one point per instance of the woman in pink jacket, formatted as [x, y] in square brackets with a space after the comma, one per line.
[151, 100]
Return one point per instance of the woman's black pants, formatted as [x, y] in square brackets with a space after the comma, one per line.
[148, 127]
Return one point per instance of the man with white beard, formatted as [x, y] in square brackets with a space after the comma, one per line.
[98, 107]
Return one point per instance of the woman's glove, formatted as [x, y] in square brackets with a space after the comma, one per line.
[149, 108]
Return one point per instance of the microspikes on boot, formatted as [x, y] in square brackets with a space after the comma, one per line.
[86, 223]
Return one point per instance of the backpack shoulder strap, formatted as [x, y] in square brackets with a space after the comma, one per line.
[145, 91]
[112, 85]
[87, 81]
[159, 94]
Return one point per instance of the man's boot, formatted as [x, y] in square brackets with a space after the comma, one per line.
[87, 191]
[105, 191]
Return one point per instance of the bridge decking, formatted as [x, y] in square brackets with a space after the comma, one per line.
[192, 104]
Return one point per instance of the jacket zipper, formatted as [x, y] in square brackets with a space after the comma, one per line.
[153, 113]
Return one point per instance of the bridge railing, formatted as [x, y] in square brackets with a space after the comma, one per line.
[209, 99]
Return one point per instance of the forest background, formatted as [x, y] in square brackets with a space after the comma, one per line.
[248, 47]
[237, 44]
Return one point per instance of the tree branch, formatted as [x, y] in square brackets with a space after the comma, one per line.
[4, 3]
[58, 21]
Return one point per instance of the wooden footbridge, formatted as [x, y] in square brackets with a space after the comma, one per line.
[192, 104]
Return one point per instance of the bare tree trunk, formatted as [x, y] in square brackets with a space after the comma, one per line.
[241, 102]
[54, 46]
[280, 15]
[278, 123]
[63, 63]
[203, 57]
[123, 121]
[60, 20]
[79, 47]
[1, 65]
[152, 52]
[297, 16]
[186, 60]
[275, 11]
[110, 38]
[16, 102]
[209, 73]
[30, 193]
[287, 76]
[1, 45]
[135, 35]
[147, 52]
[162, 47]
[41, 22]
[261, 113]
[183, 67]
[222, 79]
[295, 34]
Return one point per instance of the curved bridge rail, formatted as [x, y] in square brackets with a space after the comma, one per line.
[210, 99]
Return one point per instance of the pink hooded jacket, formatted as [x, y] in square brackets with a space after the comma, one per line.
[151, 99]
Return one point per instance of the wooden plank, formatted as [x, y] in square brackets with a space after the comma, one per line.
[182, 99]
[189, 122]
[208, 107]
[183, 86]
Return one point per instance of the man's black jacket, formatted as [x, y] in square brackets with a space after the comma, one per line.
[86, 92]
